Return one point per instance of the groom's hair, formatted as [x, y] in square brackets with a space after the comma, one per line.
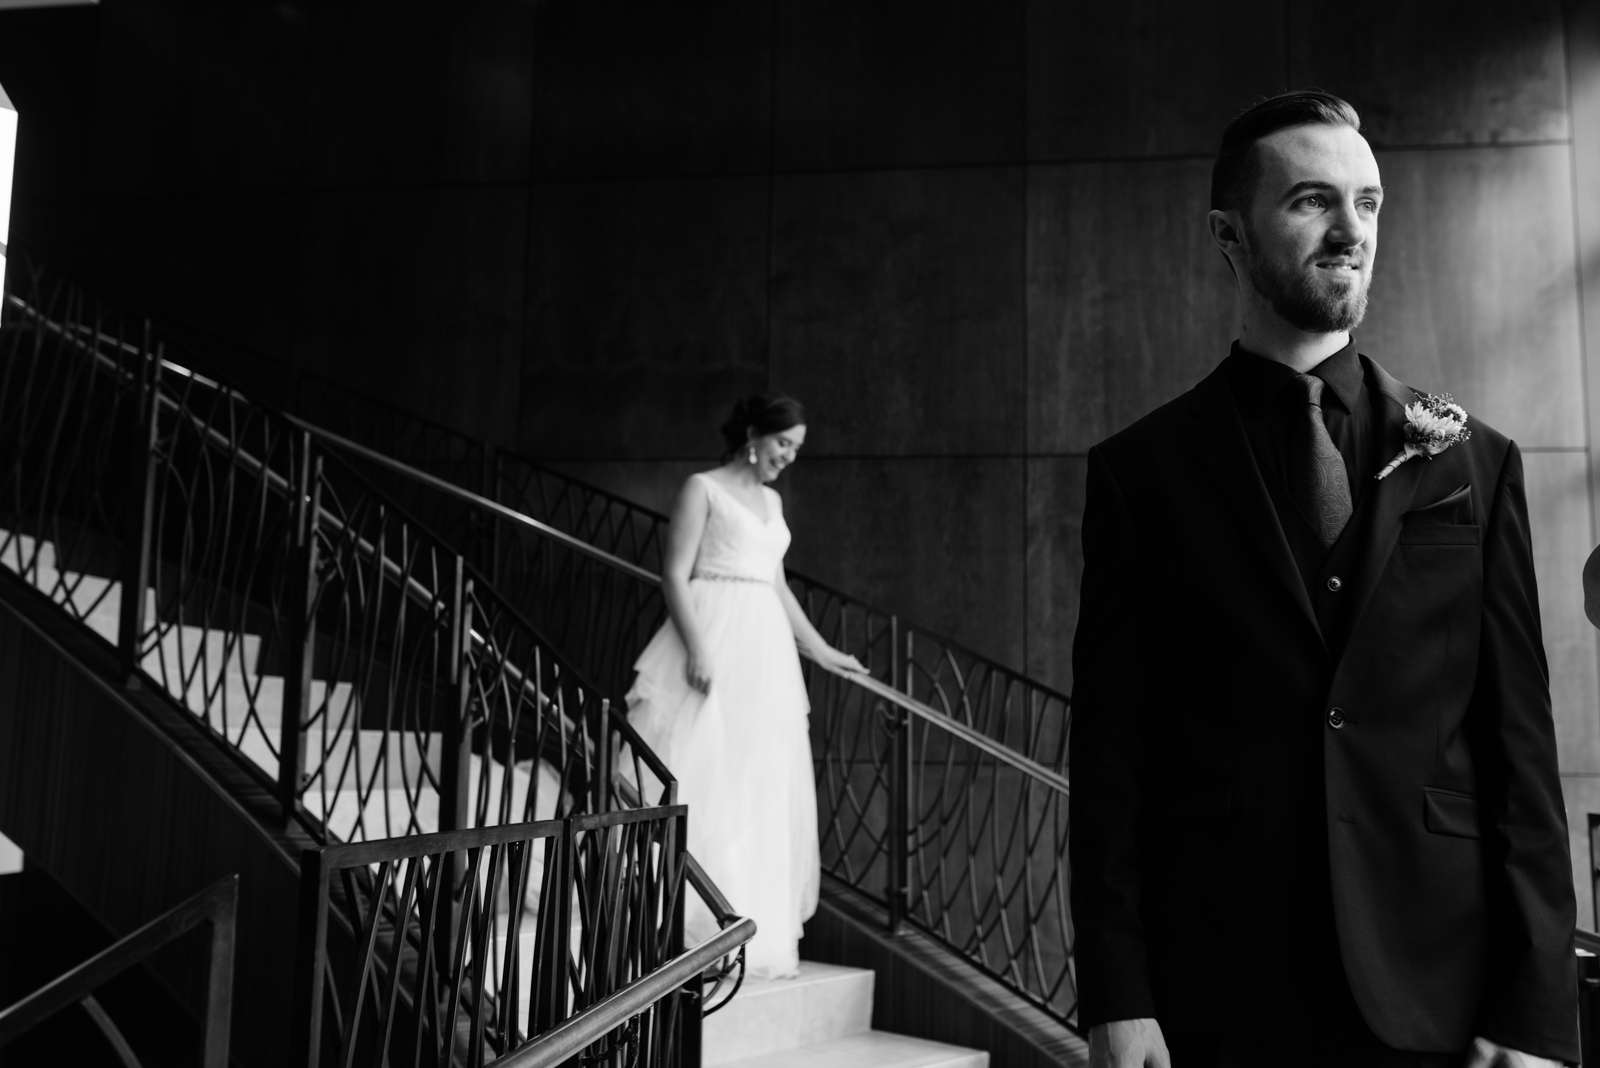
[1238, 165]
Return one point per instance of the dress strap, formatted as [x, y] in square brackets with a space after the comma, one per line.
[706, 480]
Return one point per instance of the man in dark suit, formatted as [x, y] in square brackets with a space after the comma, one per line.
[1316, 817]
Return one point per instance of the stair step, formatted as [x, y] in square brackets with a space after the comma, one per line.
[219, 675]
[84, 592]
[824, 1002]
[874, 1049]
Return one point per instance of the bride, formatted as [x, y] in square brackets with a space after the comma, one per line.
[719, 695]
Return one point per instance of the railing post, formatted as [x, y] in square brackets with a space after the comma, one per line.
[600, 720]
[455, 761]
[550, 1007]
[900, 783]
[305, 505]
[310, 962]
[219, 977]
[691, 999]
[137, 564]
[455, 754]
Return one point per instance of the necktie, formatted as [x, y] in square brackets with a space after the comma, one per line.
[1318, 484]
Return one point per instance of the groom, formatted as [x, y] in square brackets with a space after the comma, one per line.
[1316, 818]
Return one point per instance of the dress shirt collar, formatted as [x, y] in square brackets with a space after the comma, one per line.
[1257, 380]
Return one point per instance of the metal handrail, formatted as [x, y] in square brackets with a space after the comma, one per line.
[977, 739]
[477, 501]
[559, 1043]
[217, 904]
[415, 589]
[1031, 768]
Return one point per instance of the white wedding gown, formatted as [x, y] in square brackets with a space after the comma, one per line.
[742, 753]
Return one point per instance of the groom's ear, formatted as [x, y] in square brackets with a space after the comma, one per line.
[1227, 232]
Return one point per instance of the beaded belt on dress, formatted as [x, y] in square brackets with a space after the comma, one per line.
[723, 576]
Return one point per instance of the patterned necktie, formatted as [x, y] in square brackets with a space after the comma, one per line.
[1318, 484]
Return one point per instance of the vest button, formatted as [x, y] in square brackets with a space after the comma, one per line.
[1336, 718]
[1334, 584]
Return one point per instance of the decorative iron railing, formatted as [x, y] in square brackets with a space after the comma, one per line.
[215, 908]
[551, 920]
[941, 784]
[941, 779]
[348, 657]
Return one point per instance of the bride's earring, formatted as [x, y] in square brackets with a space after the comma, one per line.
[752, 454]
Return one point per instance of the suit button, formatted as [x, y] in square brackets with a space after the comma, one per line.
[1336, 718]
[1334, 584]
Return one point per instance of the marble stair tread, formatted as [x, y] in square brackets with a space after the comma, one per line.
[873, 1049]
[825, 1001]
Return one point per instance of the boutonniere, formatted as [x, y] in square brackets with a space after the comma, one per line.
[1433, 424]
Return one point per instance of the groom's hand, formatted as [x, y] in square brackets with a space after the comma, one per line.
[1128, 1044]
[1486, 1054]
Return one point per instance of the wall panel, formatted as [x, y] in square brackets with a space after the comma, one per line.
[937, 540]
[897, 84]
[1479, 71]
[635, 89]
[224, 262]
[1558, 514]
[1056, 490]
[412, 295]
[646, 315]
[413, 93]
[198, 96]
[897, 309]
[1146, 77]
[1129, 302]
[1475, 290]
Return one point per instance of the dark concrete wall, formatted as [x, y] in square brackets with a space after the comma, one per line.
[970, 236]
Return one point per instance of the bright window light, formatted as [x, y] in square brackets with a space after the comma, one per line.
[8, 160]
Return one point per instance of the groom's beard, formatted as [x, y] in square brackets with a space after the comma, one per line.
[1294, 293]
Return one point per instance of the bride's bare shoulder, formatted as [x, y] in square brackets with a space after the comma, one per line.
[693, 494]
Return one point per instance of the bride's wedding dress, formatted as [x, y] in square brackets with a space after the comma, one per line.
[741, 754]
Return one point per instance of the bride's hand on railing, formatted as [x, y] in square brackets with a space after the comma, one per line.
[841, 662]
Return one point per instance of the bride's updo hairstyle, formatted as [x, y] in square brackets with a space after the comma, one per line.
[759, 415]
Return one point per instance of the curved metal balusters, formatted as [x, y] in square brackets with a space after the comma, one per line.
[941, 780]
[351, 658]
[923, 811]
[551, 919]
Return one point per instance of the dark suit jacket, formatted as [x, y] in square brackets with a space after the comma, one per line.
[1218, 814]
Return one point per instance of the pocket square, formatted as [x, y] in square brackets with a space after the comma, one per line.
[1454, 508]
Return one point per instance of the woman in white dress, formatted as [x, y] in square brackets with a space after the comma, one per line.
[719, 695]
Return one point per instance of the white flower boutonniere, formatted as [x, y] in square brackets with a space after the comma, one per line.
[1433, 424]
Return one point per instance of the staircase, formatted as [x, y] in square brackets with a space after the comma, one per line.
[941, 780]
[374, 680]
[822, 1018]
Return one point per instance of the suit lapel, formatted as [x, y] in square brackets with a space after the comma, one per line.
[1225, 451]
[1390, 498]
